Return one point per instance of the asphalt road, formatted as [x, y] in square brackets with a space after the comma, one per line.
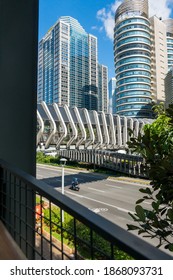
[111, 199]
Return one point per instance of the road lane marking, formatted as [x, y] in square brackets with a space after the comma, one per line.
[147, 202]
[95, 190]
[113, 186]
[130, 183]
[107, 204]
[98, 210]
[75, 194]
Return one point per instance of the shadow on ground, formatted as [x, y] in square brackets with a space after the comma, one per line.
[82, 179]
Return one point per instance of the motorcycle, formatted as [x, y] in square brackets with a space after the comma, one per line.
[75, 185]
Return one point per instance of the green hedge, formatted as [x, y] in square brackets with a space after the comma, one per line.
[83, 236]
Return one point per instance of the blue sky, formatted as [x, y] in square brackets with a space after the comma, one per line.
[96, 17]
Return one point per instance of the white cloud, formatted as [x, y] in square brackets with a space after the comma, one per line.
[94, 27]
[116, 5]
[106, 15]
[161, 8]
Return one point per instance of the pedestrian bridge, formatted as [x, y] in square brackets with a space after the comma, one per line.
[73, 128]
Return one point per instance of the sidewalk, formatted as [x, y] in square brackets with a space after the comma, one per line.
[50, 247]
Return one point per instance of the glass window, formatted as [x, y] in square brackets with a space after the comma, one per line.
[134, 39]
[133, 59]
[134, 79]
[132, 86]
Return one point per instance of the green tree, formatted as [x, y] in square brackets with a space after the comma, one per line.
[156, 146]
[158, 109]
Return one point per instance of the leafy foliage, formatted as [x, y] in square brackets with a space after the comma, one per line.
[156, 146]
[42, 158]
[158, 109]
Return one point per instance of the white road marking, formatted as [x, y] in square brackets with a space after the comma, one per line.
[113, 186]
[95, 190]
[147, 202]
[75, 194]
[98, 210]
[107, 204]
[129, 183]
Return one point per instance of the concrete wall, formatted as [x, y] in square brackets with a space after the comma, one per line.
[18, 70]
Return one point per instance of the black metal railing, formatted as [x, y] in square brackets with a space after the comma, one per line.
[49, 225]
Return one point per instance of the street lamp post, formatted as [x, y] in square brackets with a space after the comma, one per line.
[63, 162]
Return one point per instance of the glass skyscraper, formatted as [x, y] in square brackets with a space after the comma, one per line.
[68, 65]
[111, 89]
[102, 88]
[132, 54]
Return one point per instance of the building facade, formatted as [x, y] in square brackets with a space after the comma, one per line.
[143, 53]
[102, 88]
[169, 76]
[132, 55]
[169, 37]
[68, 66]
[159, 62]
[169, 88]
[111, 100]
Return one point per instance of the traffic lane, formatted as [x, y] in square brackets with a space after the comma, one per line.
[117, 193]
[109, 211]
[112, 213]
[113, 193]
[53, 177]
[123, 195]
[94, 197]
[46, 172]
[117, 202]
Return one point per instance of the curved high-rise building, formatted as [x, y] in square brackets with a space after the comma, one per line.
[132, 56]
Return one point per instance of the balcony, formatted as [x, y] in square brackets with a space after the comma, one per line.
[27, 231]
[45, 236]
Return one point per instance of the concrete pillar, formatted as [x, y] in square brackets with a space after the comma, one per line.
[18, 72]
[18, 103]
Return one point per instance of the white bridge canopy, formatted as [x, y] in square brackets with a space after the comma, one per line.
[60, 125]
